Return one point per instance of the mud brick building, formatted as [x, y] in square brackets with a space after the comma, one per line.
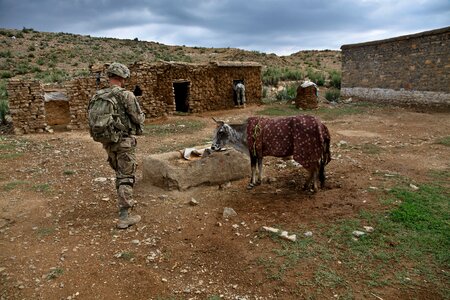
[162, 89]
[411, 70]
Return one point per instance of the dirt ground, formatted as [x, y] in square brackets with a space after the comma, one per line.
[57, 217]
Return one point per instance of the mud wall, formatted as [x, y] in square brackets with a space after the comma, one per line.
[409, 70]
[210, 88]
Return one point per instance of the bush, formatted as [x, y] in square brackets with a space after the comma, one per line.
[53, 75]
[335, 79]
[288, 93]
[333, 95]
[5, 74]
[27, 30]
[4, 109]
[316, 77]
[22, 68]
[271, 76]
[6, 54]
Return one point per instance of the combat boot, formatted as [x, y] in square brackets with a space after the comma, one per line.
[125, 220]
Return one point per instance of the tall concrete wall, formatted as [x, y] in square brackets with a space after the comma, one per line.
[210, 88]
[408, 70]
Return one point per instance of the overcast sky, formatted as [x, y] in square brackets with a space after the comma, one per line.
[271, 26]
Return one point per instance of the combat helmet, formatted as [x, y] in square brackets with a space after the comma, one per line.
[118, 69]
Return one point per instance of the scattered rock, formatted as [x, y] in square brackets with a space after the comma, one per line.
[193, 202]
[225, 185]
[368, 228]
[341, 143]
[414, 187]
[228, 212]
[346, 101]
[101, 179]
[358, 233]
[288, 237]
[283, 234]
[308, 234]
[270, 229]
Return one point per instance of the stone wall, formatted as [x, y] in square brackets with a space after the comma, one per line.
[26, 104]
[210, 88]
[409, 70]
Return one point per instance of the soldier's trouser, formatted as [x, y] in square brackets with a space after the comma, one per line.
[122, 158]
[240, 96]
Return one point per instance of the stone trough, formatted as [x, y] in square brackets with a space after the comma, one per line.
[171, 171]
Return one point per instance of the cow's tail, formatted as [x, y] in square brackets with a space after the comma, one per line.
[325, 158]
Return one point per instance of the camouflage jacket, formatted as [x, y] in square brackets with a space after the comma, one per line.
[130, 112]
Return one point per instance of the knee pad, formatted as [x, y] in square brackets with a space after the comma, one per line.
[125, 181]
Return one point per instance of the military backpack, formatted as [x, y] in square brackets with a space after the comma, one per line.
[103, 115]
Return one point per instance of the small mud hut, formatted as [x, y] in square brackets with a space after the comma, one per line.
[307, 96]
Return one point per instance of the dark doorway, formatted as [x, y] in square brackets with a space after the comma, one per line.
[236, 81]
[181, 94]
[137, 91]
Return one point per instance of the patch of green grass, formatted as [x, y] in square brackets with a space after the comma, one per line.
[69, 172]
[412, 231]
[44, 187]
[327, 277]
[10, 155]
[41, 232]
[14, 184]
[371, 149]
[441, 177]
[55, 273]
[6, 147]
[127, 255]
[425, 216]
[444, 141]
[178, 127]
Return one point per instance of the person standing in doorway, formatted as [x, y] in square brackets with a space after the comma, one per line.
[239, 88]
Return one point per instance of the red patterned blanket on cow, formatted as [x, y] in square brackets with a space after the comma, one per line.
[301, 136]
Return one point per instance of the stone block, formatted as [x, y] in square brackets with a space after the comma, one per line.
[172, 172]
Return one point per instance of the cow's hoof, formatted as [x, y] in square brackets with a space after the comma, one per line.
[250, 186]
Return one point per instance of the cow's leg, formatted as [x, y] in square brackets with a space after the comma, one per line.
[252, 183]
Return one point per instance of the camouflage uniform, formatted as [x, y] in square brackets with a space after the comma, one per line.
[122, 155]
[240, 93]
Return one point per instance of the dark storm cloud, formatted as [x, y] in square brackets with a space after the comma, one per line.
[283, 26]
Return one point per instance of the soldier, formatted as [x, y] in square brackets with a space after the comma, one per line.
[122, 154]
[239, 88]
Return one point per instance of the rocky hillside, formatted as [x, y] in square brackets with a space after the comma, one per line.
[53, 57]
